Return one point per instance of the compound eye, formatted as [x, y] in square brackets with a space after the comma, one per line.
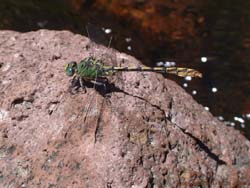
[70, 68]
[70, 71]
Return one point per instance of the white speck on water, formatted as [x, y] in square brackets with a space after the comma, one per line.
[206, 108]
[42, 24]
[188, 78]
[185, 85]
[239, 119]
[129, 48]
[203, 59]
[220, 118]
[232, 124]
[242, 125]
[107, 31]
[214, 89]
[247, 116]
[128, 39]
[194, 92]
[167, 64]
[172, 63]
[160, 63]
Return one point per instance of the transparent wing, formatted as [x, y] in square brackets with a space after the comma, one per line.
[98, 48]
[100, 44]
[97, 34]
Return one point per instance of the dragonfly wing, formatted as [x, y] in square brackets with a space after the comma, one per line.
[97, 35]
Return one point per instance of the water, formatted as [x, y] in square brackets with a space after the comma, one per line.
[219, 47]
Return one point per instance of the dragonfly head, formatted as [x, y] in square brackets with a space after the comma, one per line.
[71, 68]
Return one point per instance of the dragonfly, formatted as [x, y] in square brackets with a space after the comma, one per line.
[94, 70]
[97, 70]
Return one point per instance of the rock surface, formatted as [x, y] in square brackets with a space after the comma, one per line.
[145, 132]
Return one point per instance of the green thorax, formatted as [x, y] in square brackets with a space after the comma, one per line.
[90, 68]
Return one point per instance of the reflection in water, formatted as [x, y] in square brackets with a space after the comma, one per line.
[228, 40]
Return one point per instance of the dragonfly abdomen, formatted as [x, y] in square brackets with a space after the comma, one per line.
[179, 71]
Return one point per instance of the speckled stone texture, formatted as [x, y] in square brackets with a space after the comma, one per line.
[144, 132]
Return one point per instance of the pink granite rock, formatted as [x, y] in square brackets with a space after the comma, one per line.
[145, 132]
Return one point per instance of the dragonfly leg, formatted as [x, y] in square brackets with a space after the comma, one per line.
[74, 84]
[82, 84]
[102, 83]
[98, 83]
